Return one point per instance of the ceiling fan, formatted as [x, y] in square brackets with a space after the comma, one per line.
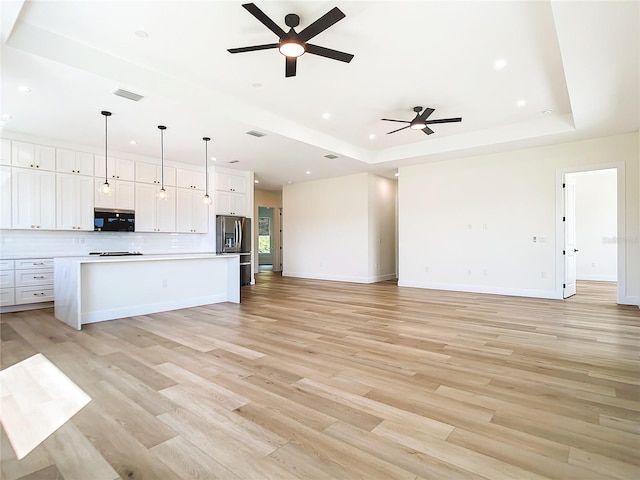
[420, 121]
[292, 44]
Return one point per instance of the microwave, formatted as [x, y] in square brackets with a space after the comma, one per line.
[114, 220]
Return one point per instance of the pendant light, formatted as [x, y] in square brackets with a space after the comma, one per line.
[105, 189]
[206, 199]
[162, 194]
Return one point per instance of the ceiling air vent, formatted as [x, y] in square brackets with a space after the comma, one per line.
[233, 161]
[126, 94]
[255, 133]
[331, 156]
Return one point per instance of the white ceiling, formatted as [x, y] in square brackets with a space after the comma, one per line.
[577, 59]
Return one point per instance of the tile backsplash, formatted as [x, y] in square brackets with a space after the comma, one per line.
[30, 244]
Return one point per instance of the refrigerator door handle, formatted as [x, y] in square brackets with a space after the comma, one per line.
[240, 236]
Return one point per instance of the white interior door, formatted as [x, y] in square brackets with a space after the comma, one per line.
[570, 250]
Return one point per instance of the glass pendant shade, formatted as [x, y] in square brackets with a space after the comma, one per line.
[105, 188]
[207, 200]
[162, 194]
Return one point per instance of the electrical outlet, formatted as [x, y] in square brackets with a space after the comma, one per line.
[543, 275]
[535, 239]
[484, 272]
[469, 272]
[426, 269]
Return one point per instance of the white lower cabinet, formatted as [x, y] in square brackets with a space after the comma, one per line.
[34, 199]
[26, 281]
[74, 202]
[120, 198]
[152, 213]
[192, 214]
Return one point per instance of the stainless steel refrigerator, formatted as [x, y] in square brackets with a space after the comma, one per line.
[233, 235]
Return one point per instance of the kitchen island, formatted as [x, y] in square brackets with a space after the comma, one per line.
[94, 289]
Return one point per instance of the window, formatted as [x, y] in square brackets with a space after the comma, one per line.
[264, 235]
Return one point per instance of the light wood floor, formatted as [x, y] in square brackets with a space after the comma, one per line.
[312, 379]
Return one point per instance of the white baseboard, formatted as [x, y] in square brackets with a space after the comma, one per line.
[598, 278]
[337, 278]
[629, 300]
[512, 292]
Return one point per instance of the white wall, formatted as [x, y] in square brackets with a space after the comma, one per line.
[596, 225]
[327, 227]
[468, 224]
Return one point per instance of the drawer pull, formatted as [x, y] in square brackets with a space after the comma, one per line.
[38, 276]
[38, 263]
[38, 294]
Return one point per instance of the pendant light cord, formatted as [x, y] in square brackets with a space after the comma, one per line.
[162, 156]
[106, 161]
[206, 166]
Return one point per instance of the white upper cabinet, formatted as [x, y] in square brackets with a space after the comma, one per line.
[153, 214]
[5, 151]
[228, 182]
[34, 199]
[192, 215]
[231, 203]
[121, 196]
[117, 168]
[5, 197]
[79, 163]
[190, 179]
[74, 202]
[151, 173]
[28, 155]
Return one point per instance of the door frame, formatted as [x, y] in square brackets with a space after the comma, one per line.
[560, 233]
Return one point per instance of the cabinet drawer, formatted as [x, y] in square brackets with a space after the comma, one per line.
[6, 265]
[34, 294]
[33, 278]
[31, 263]
[6, 279]
[7, 296]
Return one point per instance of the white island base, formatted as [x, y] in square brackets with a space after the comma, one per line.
[95, 289]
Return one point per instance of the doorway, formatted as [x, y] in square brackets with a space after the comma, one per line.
[591, 226]
[269, 239]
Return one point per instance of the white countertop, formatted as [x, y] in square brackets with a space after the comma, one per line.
[143, 257]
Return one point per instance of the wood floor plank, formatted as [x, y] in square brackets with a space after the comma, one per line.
[315, 379]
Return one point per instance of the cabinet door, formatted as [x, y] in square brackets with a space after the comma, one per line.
[99, 167]
[5, 197]
[146, 173]
[145, 203]
[190, 179]
[125, 169]
[5, 151]
[228, 182]
[239, 204]
[192, 215]
[166, 213]
[69, 161]
[102, 200]
[125, 195]
[74, 202]
[34, 199]
[45, 157]
[23, 154]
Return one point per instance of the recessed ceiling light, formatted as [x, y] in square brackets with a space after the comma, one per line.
[256, 181]
[24, 89]
[372, 136]
[6, 116]
[521, 103]
[397, 174]
[500, 64]
[213, 159]
[133, 142]
[326, 115]
[308, 172]
[289, 182]
[141, 34]
[547, 112]
[256, 85]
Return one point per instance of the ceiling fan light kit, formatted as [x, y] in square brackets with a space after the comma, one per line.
[293, 44]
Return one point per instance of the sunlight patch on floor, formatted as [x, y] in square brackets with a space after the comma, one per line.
[36, 399]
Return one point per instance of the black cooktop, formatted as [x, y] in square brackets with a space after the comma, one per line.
[114, 254]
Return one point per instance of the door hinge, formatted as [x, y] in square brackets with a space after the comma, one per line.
[564, 252]
[564, 219]
[564, 285]
[563, 185]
